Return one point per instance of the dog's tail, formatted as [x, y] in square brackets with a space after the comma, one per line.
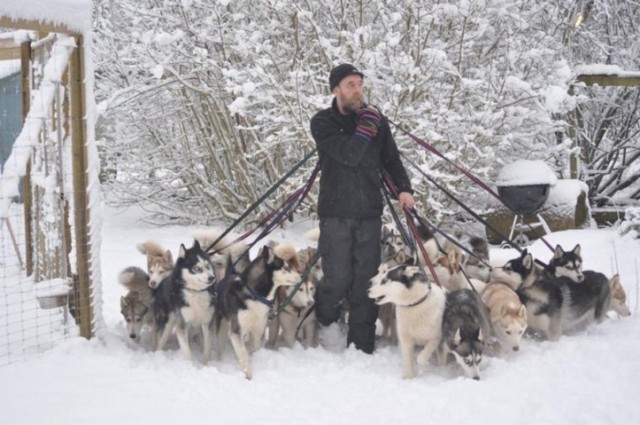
[151, 248]
[134, 279]
[288, 253]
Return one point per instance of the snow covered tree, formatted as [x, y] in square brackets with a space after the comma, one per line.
[206, 104]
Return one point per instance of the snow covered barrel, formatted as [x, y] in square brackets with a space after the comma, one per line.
[524, 185]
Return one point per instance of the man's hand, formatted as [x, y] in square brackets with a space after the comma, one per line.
[368, 122]
[405, 199]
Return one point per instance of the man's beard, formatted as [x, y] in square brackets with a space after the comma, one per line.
[353, 104]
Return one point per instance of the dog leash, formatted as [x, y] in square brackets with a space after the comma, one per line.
[262, 198]
[390, 185]
[461, 204]
[467, 173]
[297, 286]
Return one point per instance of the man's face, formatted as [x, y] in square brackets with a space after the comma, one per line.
[349, 94]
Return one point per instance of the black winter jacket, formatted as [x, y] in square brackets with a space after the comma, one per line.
[350, 181]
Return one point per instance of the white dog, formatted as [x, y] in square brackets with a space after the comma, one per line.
[419, 309]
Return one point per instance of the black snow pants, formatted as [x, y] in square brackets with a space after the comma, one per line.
[350, 252]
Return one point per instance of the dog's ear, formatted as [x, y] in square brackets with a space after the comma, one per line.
[196, 245]
[558, 252]
[522, 313]
[457, 338]
[527, 262]
[182, 251]
[123, 303]
[168, 257]
[267, 253]
[576, 250]
[480, 335]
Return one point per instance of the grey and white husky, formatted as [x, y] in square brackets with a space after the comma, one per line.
[244, 301]
[419, 306]
[185, 299]
[477, 265]
[465, 325]
[136, 304]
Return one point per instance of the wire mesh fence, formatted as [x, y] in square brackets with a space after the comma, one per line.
[46, 284]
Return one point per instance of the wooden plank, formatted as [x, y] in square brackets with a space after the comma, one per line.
[27, 200]
[9, 53]
[6, 22]
[606, 80]
[80, 188]
[8, 43]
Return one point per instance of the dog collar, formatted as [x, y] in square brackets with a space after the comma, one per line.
[260, 298]
[417, 302]
[201, 290]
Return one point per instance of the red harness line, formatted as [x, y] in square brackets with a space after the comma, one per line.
[466, 172]
[414, 230]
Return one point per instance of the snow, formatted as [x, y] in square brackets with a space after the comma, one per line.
[566, 192]
[604, 69]
[525, 172]
[74, 14]
[15, 166]
[589, 378]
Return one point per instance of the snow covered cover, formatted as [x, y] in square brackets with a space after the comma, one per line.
[589, 378]
[74, 14]
[604, 69]
[566, 192]
[526, 172]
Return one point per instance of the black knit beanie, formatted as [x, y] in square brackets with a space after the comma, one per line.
[342, 71]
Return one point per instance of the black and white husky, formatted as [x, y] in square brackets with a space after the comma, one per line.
[565, 264]
[465, 325]
[244, 301]
[419, 306]
[185, 299]
[561, 300]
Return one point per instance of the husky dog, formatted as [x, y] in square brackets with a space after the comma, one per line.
[224, 254]
[561, 304]
[464, 326]
[565, 264]
[136, 304]
[517, 273]
[451, 275]
[159, 261]
[185, 298]
[477, 265]
[569, 264]
[507, 315]
[618, 297]
[419, 308]
[244, 301]
[393, 247]
[394, 252]
[293, 314]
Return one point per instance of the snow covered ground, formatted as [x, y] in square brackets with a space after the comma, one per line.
[585, 379]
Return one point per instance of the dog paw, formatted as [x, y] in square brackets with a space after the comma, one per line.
[409, 374]
[248, 374]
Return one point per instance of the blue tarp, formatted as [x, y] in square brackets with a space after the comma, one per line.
[10, 114]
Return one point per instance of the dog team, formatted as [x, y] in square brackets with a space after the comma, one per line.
[457, 307]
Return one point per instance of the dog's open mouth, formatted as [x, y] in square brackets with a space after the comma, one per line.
[379, 300]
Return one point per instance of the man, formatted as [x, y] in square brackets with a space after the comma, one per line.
[354, 143]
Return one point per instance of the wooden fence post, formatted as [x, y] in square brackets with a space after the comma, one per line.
[80, 188]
